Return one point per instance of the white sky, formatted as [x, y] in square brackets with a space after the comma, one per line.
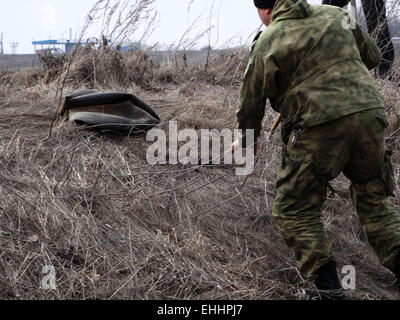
[22, 21]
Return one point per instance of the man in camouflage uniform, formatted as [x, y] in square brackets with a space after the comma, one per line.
[315, 72]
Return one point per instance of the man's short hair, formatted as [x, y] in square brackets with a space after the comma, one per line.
[264, 4]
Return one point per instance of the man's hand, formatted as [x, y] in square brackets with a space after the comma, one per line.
[236, 145]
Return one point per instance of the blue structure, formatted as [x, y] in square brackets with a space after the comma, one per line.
[129, 48]
[54, 46]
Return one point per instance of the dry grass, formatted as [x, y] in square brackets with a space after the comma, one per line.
[116, 228]
[107, 67]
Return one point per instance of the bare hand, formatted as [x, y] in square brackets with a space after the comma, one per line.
[236, 145]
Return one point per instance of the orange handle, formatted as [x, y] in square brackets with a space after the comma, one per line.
[276, 124]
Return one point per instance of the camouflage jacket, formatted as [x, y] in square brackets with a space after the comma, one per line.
[311, 68]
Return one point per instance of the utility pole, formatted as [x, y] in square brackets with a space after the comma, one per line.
[1, 44]
[14, 46]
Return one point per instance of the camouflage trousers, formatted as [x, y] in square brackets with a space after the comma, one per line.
[354, 145]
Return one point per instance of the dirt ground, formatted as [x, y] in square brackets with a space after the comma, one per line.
[111, 226]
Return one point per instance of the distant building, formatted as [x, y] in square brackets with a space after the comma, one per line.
[132, 47]
[58, 47]
[54, 46]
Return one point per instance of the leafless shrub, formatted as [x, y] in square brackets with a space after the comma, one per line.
[27, 77]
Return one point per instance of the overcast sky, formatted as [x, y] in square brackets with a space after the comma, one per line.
[233, 21]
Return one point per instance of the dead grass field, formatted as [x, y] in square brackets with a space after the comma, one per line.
[114, 227]
[16, 62]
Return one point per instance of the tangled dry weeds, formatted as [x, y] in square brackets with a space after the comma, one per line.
[115, 227]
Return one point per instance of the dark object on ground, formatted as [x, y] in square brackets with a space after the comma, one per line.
[377, 24]
[328, 284]
[118, 113]
[398, 269]
[326, 295]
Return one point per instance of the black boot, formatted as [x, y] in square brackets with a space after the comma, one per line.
[328, 284]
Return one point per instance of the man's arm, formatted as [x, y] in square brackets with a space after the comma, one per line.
[259, 84]
[370, 53]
